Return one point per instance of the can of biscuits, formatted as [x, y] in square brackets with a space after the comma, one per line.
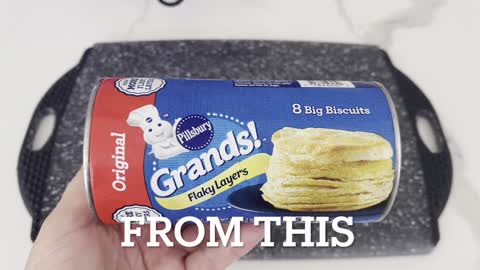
[225, 148]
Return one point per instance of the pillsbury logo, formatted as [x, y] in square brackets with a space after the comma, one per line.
[194, 132]
[139, 86]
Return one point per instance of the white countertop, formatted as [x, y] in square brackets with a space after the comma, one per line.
[435, 42]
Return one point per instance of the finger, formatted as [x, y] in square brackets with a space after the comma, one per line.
[220, 257]
[71, 212]
[161, 257]
[189, 233]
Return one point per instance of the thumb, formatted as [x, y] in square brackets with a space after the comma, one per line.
[73, 208]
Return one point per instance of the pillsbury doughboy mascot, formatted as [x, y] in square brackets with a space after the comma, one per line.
[160, 134]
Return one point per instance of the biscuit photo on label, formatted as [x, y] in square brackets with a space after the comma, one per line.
[319, 169]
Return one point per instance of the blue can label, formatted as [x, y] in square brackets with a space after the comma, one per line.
[242, 148]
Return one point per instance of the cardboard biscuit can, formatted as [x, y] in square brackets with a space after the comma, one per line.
[225, 148]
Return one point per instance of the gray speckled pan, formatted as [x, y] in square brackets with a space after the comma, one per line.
[425, 181]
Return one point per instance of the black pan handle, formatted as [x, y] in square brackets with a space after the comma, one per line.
[437, 166]
[171, 3]
[33, 165]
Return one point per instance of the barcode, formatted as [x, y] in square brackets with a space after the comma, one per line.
[332, 84]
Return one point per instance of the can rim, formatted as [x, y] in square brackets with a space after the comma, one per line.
[398, 152]
[86, 148]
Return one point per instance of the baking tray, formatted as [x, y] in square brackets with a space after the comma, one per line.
[410, 228]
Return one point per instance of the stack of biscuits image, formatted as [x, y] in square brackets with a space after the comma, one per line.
[318, 169]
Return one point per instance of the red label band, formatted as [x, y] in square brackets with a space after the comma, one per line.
[116, 152]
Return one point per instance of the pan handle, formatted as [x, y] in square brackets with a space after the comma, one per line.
[33, 164]
[437, 166]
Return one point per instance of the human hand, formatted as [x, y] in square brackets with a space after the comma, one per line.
[72, 238]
